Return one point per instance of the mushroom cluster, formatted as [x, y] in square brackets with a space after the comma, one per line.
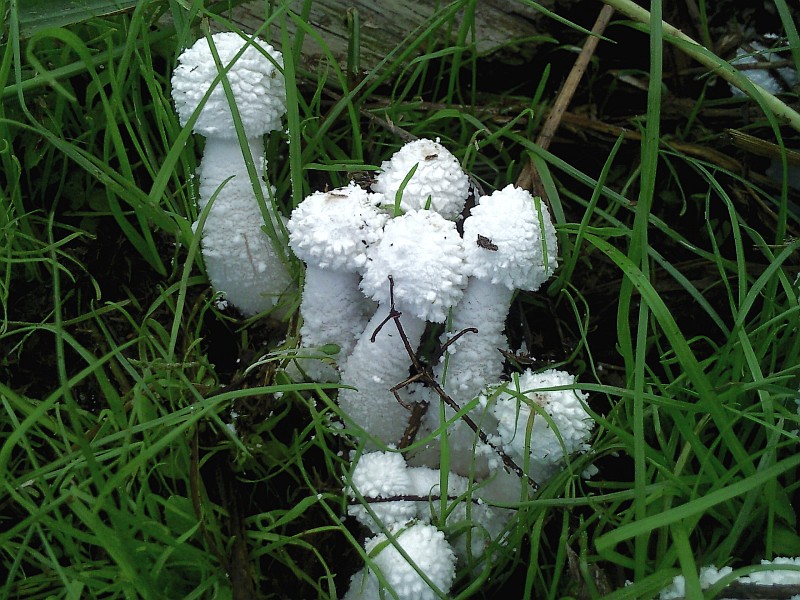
[382, 266]
[412, 263]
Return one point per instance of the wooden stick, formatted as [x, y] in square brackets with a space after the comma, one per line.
[529, 178]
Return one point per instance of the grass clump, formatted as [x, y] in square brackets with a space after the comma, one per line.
[150, 444]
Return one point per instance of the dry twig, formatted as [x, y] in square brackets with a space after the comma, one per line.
[424, 375]
[529, 178]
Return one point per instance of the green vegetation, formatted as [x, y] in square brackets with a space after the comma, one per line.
[151, 446]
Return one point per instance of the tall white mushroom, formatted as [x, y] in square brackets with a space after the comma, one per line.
[423, 254]
[240, 258]
[331, 232]
[509, 244]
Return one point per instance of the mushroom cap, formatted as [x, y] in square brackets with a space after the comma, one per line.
[332, 230]
[423, 253]
[438, 176]
[516, 236]
[259, 88]
[563, 406]
[775, 576]
[382, 475]
[770, 79]
[429, 550]
[483, 522]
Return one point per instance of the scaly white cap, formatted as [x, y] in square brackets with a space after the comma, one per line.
[332, 230]
[509, 239]
[423, 253]
[429, 550]
[438, 177]
[564, 407]
[258, 85]
[381, 475]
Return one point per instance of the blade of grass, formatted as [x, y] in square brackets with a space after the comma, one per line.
[710, 60]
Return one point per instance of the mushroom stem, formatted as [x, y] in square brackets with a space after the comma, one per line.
[470, 364]
[222, 158]
[334, 311]
[240, 258]
[374, 368]
[473, 361]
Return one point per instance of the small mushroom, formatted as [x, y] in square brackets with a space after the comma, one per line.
[428, 550]
[423, 254]
[546, 448]
[438, 179]
[331, 232]
[397, 494]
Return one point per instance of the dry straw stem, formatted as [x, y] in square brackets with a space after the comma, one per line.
[708, 59]
[529, 178]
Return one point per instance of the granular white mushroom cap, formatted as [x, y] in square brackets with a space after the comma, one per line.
[564, 407]
[709, 575]
[258, 86]
[332, 230]
[429, 550]
[438, 177]
[509, 239]
[423, 253]
[776, 576]
[381, 475]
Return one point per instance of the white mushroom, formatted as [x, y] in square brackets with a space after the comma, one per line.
[509, 244]
[428, 550]
[377, 477]
[397, 494]
[330, 232]
[545, 449]
[438, 179]
[240, 258]
[422, 253]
